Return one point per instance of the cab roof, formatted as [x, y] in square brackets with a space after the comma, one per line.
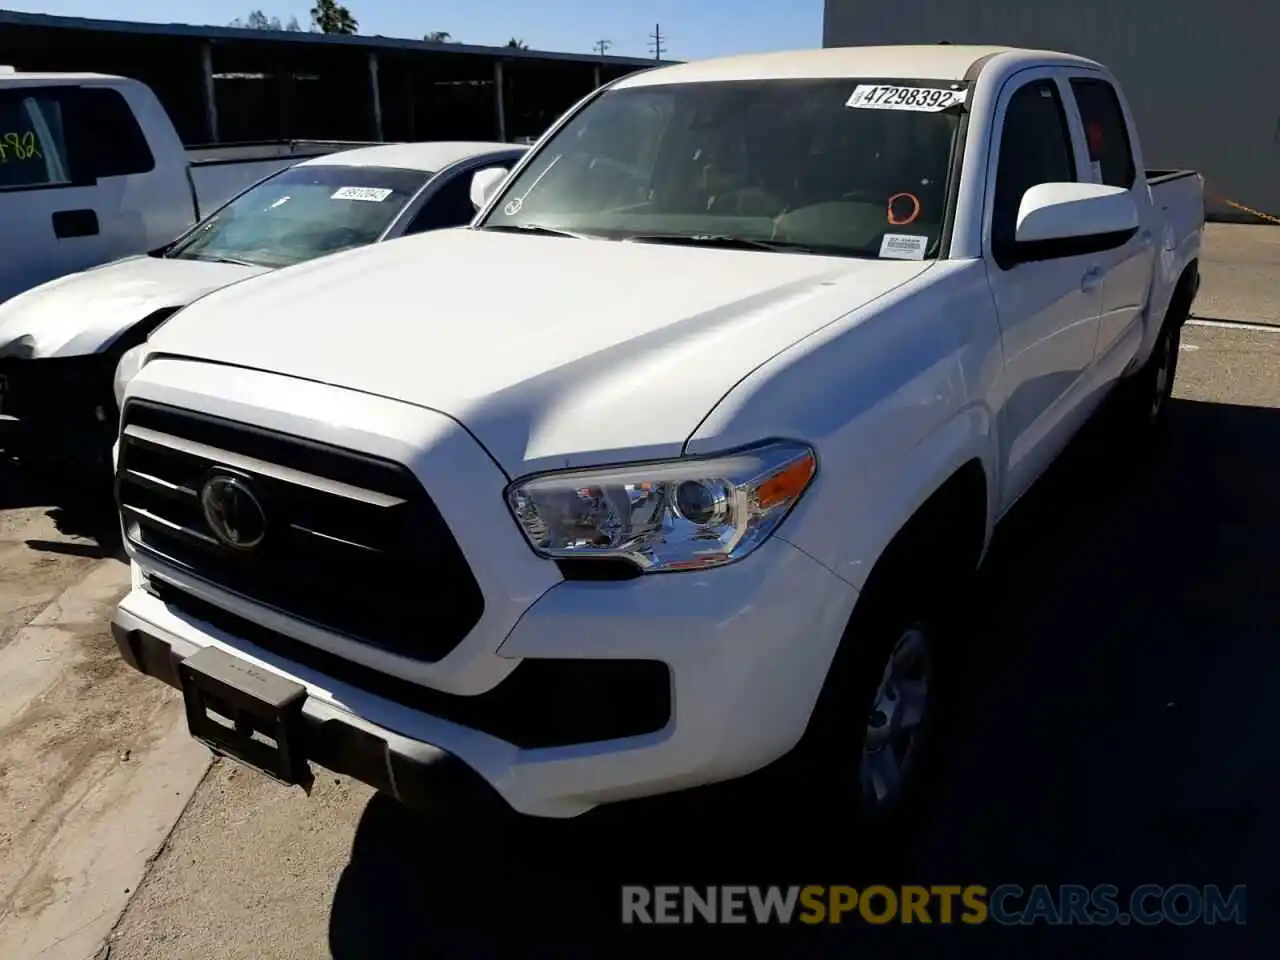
[428, 157]
[941, 61]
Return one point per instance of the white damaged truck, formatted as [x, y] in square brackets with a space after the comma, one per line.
[674, 465]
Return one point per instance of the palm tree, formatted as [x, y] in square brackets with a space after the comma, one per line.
[439, 36]
[515, 44]
[332, 17]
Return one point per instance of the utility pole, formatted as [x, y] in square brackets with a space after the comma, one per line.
[655, 42]
[603, 45]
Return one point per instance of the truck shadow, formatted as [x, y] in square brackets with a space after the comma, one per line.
[78, 508]
[1114, 724]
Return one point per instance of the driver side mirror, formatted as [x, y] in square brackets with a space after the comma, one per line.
[484, 184]
[1072, 219]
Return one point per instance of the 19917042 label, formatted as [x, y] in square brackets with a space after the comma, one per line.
[927, 99]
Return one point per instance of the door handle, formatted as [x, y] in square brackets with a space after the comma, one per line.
[69, 224]
[1089, 282]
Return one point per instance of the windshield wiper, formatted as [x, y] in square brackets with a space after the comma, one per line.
[535, 228]
[723, 241]
[231, 260]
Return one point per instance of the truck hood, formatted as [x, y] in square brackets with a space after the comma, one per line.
[553, 352]
[83, 312]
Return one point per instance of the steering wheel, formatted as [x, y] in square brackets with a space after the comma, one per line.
[862, 196]
[752, 194]
[331, 240]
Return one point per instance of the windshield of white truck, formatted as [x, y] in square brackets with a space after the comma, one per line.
[846, 167]
[301, 213]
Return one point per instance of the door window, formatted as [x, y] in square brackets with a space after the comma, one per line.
[64, 136]
[449, 206]
[33, 147]
[1106, 132]
[1035, 148]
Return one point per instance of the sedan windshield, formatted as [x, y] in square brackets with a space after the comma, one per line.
[845, 167]
[301, 213]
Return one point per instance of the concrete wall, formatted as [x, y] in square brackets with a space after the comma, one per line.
[1203, 77]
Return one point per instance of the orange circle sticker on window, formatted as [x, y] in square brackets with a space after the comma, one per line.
[897, 216]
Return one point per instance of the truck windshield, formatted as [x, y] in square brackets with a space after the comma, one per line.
[301, 213]
[763, 164]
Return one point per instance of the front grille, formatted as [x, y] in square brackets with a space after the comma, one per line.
[353, 544]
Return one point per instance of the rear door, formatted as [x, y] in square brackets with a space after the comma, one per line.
[71, 158]
[1113, 160]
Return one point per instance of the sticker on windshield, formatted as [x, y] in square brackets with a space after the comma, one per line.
[903, 246]
[373, 194]
[868, 96]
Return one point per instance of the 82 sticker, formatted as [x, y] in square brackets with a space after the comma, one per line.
[869, 96]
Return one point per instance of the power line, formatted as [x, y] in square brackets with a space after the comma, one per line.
[602, 45]
[655, 42]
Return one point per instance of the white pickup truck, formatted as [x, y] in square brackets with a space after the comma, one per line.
[92, 169]
[675, 462]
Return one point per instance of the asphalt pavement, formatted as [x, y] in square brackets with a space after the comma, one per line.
[1113, 723]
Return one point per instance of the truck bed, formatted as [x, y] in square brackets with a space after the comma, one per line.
[1179, 194]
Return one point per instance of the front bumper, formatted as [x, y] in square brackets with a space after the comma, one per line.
[58, 408]
[416, 774]
[747, 647]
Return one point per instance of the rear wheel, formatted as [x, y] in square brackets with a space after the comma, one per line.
[895, 736]
[1140, 404]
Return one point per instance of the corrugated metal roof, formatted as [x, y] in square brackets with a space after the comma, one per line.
[239, 34]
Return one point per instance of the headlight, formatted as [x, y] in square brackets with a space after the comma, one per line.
[671, 515]
[131, 361]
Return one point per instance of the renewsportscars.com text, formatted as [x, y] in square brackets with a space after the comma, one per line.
[1007, 905]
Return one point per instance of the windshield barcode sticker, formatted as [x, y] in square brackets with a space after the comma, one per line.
[373, 194]
[926, 99]
[903, 246]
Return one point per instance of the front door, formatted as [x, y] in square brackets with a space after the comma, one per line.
[1048, 309]
[79, 184]
[51, 224]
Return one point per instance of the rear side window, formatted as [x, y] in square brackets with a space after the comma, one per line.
[1105, 131]
[60, 136]
[1035, 148]
[106, 136]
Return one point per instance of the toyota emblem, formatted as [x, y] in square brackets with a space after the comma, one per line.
[233, 512]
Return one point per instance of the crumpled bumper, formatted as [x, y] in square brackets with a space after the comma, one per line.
[57, 407]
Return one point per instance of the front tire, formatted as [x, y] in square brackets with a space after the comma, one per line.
[867, 761]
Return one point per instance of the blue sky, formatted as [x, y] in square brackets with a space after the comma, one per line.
[691, 28]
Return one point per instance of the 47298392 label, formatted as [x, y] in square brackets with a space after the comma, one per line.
[924, 99]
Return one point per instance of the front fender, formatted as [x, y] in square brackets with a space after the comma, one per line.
[850, 535]
[895, 399]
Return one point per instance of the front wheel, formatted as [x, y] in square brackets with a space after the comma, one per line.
[867, 760]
